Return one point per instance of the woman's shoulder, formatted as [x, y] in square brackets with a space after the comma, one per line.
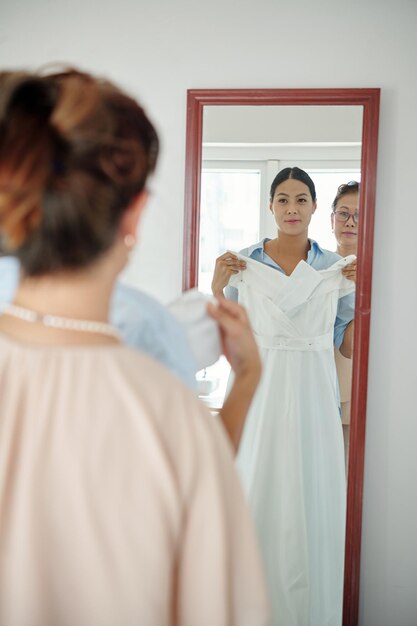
[113, 370]
[127, 395]
[152, 384]
[322, 257]
[149, 377]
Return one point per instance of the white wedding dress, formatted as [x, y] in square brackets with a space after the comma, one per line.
[291, 456]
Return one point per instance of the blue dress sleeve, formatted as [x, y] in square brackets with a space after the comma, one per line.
[9, 279]
[345, 314]
[231, 293]
[145, 324]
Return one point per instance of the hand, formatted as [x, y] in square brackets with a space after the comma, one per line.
[226, 265]
[349, 271]
[238, 342]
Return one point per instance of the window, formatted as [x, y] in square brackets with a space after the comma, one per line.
[230, 210]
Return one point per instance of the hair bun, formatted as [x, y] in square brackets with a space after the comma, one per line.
[77, 102]
[74, 152]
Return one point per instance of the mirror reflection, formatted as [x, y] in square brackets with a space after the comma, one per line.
[278, 232]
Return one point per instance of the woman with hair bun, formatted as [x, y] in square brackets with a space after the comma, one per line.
[110, 469]
[300, 302]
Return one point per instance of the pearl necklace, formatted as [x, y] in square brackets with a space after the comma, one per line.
[56, 321]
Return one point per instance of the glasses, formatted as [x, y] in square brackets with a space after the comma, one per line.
[343, 216]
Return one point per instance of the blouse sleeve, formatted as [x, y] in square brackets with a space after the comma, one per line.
[345, 314]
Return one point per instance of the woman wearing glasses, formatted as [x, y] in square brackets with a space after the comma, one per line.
[345, 218]
[291, 457]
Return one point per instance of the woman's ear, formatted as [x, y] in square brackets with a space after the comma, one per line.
[131, 217]
[332, 221]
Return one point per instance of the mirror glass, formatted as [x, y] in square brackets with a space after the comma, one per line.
[243, 148]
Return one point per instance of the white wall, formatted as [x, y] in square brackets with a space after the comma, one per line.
[281, 124]
[161, 48]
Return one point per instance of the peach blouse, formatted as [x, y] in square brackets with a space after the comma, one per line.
[119, 500]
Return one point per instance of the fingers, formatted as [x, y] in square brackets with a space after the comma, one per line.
[350, 271]
[231, 262]
[226, 265]
[228, 255]
[351, 268]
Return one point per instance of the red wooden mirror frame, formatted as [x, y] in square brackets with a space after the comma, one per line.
[369, 100]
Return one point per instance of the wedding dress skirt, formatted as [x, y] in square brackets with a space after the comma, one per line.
[291, 456]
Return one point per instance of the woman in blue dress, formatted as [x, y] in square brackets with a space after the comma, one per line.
[291, 459]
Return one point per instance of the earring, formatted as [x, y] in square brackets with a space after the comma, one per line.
[129, 241]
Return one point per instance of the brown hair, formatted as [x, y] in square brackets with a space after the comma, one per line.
[74, 152]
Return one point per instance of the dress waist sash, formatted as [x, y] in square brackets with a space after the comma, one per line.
[308, 344]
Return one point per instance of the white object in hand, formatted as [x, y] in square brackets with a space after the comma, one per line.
[202, 331]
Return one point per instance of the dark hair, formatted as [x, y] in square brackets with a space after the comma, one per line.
[351, 187]
[74, 152]
[297, 174]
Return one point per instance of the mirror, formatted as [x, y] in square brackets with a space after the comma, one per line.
[215, 139]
